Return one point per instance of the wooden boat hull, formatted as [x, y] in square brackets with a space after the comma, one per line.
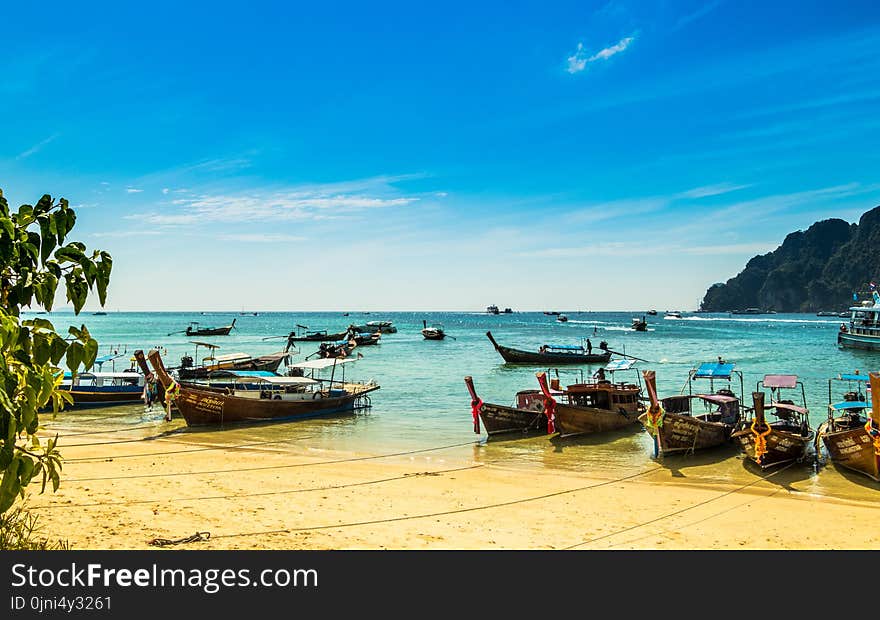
[517, 356]
[318, 337]
[782, 446]
[572, 420]
[220, 331]
[267, 363]
[500, 420]
[83, 397]
[207, 407]
[433, 335]
[684, 433]
[852, 449]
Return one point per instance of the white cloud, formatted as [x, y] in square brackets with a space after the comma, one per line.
[579, 60]
[132, 190]
[261, 237]
[712, 190]
[165, 190]
[296, 204]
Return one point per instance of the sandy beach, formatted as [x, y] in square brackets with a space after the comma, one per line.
[120, 493]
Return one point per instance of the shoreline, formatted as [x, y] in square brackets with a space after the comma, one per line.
[119, 495]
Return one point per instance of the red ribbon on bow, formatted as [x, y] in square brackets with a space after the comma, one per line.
[476, 407]
[550, 412]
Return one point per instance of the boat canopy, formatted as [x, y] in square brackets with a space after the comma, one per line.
[274, 380]
[624, 364]
[718, 399]
[780, 381]
[205, 344]
[324, 362]
[790, 407]
[849, 404]
[101, 359]
[104, 375]
[713, 370]
[851, 377]
[231, 357]
[565, 347]
[241, 373]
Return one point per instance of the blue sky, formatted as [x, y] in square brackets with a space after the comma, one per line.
[586, 155]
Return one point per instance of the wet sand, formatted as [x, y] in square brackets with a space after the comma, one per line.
[120, 490]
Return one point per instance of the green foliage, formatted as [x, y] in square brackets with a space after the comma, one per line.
[19, 532]
[35, 257]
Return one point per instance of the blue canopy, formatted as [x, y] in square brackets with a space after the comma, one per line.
[106, 358]
[714, 370]
[623, 364]
[850, 404]
[567, 347]
[850, 377]
[248, 373]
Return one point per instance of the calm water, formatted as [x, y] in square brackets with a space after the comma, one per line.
[423, 401]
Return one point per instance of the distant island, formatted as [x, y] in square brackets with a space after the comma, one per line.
[815, 270]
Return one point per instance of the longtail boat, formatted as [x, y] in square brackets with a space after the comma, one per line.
[783, 440]
[229, 361]
[526, 417]
[194, 330]
[593, 407]
[851, 434]
[302, 334]
[550, 354]
[677, 428]
[275, 398]
[435, 332]
[93, 389]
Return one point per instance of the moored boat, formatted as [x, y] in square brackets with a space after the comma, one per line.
[92, 389]
[276, 398]
[851, 434]
[552, 354]
[493, 309]
[677, 428]
[303, 334]
[593, 407]
[863, 330]
[371, 327]
[526, 416]
[194, 330]
[228, 361]
[639, 324]
[786, 439]
[434, 332]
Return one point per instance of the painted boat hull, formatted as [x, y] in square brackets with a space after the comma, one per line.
[858, 341]
[852, 449]
[501, 420]
[517, 356]
[433, 334]
[684, 433]
[782, 446]
[572, 420]
[84, 397]
[207, 407]
[318, 337]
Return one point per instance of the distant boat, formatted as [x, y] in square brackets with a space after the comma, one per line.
[552, 354]
[551, 313]
[673, 315]
[508, 311]
[652, 313]
[493, 309]
[435, 332]
[562, 318]
[384, 327]
[99, 314]
[829, 313]
[195, 330]
[747, 311]
[863, 331]
[640, 324]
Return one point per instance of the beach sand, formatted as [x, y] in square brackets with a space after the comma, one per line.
[120, 494]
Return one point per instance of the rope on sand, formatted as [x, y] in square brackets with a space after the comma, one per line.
[439, 514]
[677, 512]
[265, 467]
[166, 542]
[258, 494]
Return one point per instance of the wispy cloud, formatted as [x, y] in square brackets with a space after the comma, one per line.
[127, 233]
[684, 20]
[712, 190]
[579, 60]
[261, 237]
[313, 203]
[649, 249]
[165, 190]
[133, 190]
[37, 147]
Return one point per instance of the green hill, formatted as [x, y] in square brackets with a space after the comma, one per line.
[813, 270]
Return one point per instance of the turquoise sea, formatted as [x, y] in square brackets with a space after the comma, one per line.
[423, 404]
